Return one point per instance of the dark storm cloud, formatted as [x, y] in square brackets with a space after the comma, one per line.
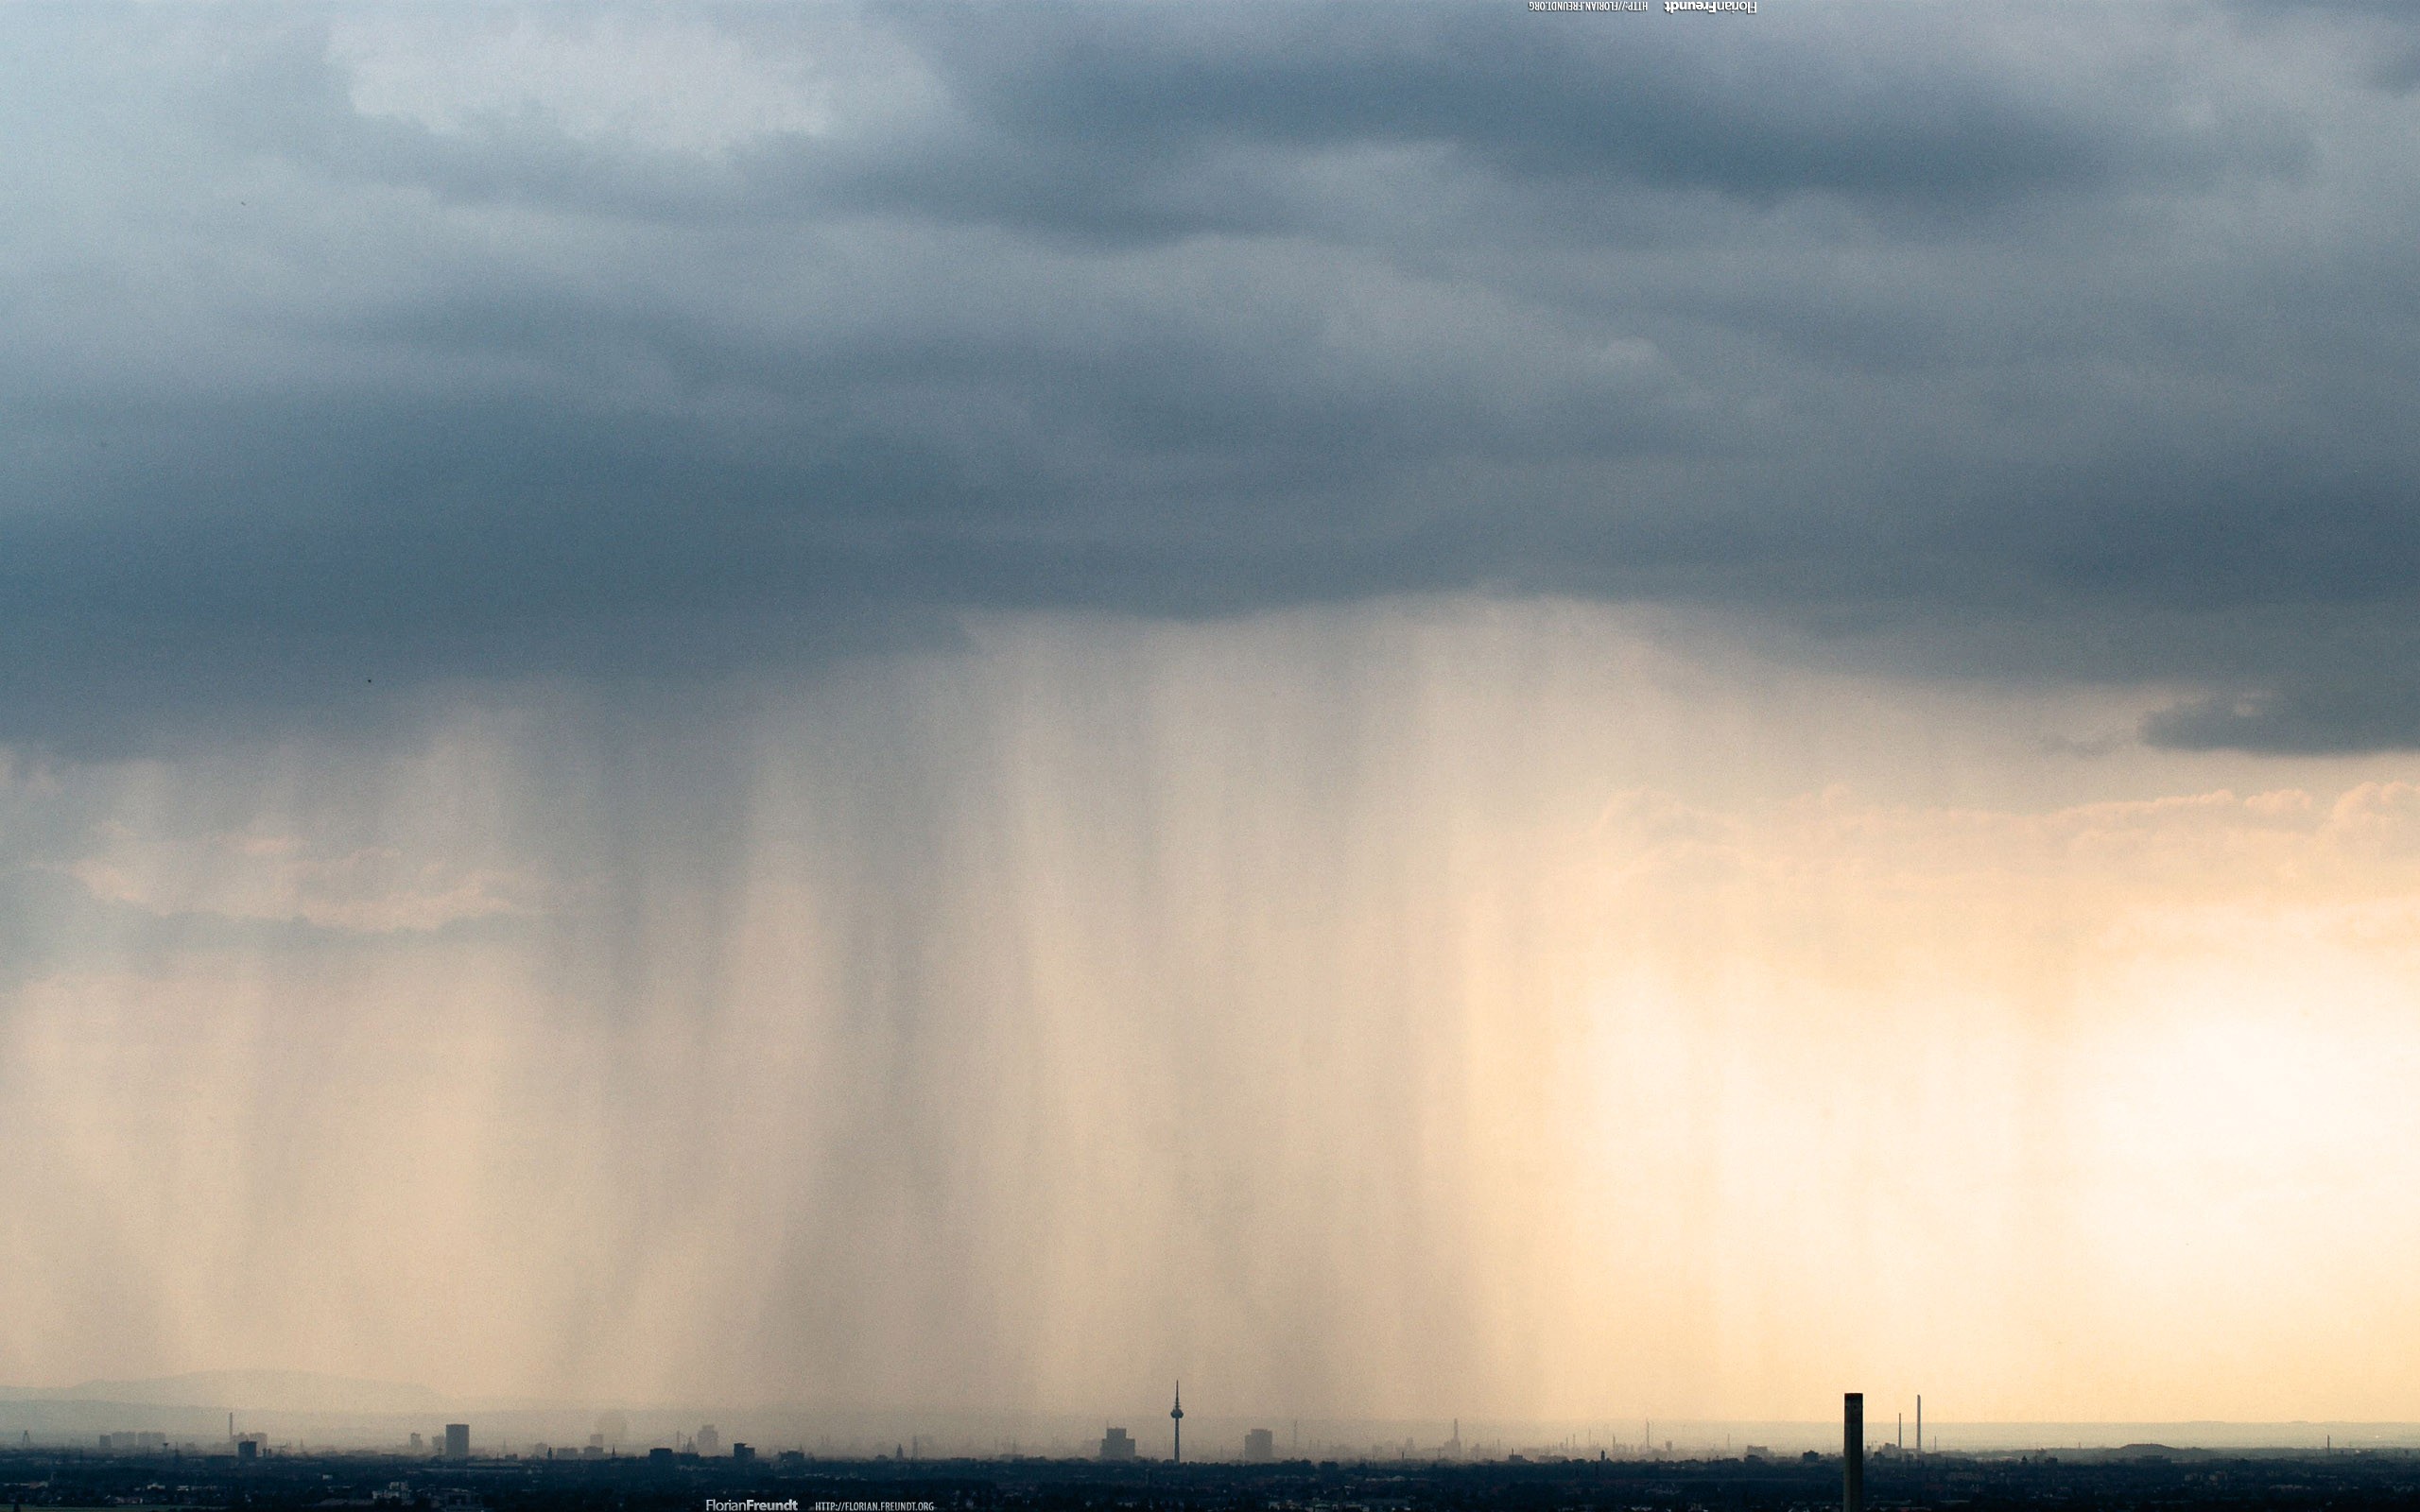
[1751, 114]
[2322, 718]
[2007, 345]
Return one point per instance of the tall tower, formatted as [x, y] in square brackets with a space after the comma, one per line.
[1853, 1451]
[1176, 1423]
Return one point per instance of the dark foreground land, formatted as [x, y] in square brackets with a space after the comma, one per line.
[2167, 1480]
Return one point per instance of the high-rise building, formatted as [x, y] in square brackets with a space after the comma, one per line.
[139, 1443]
[458, 1440]
[1115, 1446]
[1853, 1451]
[709, 1442]
[1260, 1446]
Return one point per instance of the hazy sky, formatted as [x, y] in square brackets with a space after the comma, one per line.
[1412, 710]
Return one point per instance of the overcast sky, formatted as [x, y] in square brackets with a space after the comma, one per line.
[1413, 710]
[2015, 342]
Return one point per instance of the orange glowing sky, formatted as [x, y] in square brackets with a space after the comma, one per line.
[1562, 1017]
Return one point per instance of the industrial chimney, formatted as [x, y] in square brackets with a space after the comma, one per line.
[1853, 1451]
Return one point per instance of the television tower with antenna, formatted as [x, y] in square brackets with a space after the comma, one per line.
[1175, 1424]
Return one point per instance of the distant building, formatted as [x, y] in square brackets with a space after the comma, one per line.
[660, 1455]
[1260, 1447]
[248, 1448]
[1115, 1446]
[417, 1445]
[742, 1453]
[709, 1442]
[138, 1443]
[458, 1440]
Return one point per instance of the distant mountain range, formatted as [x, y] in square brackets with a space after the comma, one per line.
[242, 1390]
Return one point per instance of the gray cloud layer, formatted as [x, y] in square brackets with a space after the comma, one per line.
[2070, 343]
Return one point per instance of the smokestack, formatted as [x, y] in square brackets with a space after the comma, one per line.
[1853, 1451]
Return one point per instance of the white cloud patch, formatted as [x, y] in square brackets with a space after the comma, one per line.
[656, 80]
[274, 877]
